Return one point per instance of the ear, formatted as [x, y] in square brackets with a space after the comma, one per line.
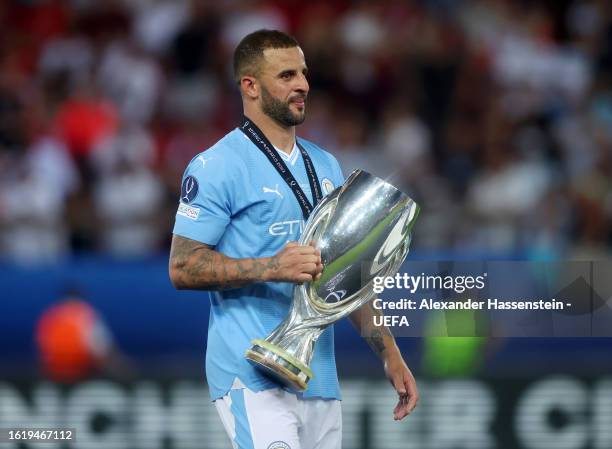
[249, 87]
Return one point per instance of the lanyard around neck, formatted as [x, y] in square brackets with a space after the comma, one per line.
[255, 135]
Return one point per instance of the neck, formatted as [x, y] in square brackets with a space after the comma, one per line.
[279, 136]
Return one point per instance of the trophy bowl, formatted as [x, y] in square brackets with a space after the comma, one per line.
[363, 229]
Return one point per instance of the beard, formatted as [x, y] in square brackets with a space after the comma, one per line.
[279, 111]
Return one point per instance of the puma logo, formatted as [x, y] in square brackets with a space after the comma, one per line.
[269, 190]
[203, 160]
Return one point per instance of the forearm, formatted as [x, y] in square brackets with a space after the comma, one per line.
[195, 266]
[379, 338]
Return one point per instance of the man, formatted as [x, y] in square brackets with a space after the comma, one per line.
[242, 207]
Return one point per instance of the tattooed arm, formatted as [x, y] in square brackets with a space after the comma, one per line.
[383, 344]
[196, 266]
[379, 338]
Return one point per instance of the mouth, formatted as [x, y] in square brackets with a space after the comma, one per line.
[300, 102]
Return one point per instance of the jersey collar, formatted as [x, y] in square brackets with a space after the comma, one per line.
[291, 158]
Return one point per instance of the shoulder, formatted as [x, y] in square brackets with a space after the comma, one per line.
[318, 154]
[222, 158]
[315, 151]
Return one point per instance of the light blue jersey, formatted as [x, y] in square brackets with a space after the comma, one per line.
[233, 199]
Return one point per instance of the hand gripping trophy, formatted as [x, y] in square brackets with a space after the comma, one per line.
[363, 231]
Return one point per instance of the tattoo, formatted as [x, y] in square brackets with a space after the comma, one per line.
[273, 264]
[376, 341]
[194, 265]
[374, 335]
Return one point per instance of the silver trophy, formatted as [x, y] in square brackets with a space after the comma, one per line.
[363, 231]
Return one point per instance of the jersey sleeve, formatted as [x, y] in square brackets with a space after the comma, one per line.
[206, 199]
[337, 171]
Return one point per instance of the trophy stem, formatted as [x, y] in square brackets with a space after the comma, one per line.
[286, 353]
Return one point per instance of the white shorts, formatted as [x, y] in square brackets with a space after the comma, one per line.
[277, 419]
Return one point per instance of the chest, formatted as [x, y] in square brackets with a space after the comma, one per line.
[268, 199]
[272, 195]
[272, 203]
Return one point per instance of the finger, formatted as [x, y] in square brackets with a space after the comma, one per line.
[401, 409]
[398, 409]
[318, 276]
[398, 384]
[412, 402]
[317, 250]
[319, 266]
[308, 250]
[308, 258]
[303, 277]
[413, 397]
[310, 268]
[291, 244]
[400, 403]
[301, 260]
[303, 250]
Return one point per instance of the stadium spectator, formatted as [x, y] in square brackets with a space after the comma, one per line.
[470, 105]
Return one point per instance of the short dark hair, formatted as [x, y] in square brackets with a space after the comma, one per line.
[249, 52]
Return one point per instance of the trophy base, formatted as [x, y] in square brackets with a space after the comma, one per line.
[279, 365]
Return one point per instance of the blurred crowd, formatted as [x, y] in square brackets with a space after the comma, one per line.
[496, 115]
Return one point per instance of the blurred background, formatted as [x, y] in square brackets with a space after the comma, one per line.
[496, 116]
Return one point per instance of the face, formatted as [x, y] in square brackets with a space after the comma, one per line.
[284, 87]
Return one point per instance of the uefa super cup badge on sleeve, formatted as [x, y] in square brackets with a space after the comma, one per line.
[363, 229]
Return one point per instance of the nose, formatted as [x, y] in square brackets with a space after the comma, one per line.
[302, 84]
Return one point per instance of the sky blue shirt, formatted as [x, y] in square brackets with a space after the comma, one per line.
[233, 199]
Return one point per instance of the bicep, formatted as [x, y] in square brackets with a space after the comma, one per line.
[180, 243]
[183, 248]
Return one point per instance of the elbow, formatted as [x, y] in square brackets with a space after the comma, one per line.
[175, 278]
